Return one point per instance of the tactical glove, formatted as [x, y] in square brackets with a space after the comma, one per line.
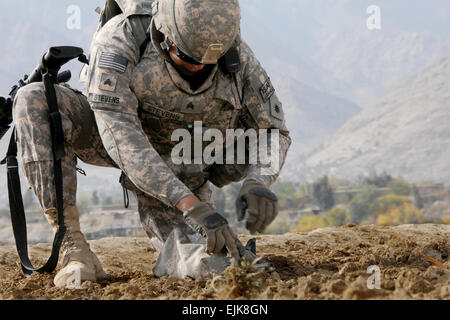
[261, 204]
[218, 232]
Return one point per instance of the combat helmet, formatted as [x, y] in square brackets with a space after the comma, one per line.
[204, 30]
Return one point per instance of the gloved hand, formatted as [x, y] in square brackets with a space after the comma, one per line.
[218, 232]
[261, 204]
[5, 112]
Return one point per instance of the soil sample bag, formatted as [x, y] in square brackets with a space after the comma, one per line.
[185, 256]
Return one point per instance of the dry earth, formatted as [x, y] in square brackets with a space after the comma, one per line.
[324, 264]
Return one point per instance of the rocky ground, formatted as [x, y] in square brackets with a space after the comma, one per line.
[327, 263]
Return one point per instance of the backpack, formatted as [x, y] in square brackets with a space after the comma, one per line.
[138, 14]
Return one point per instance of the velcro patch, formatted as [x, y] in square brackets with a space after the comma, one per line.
[267, 90]
[108, 82]
[101, 98]
[276, 109]
[113, 61]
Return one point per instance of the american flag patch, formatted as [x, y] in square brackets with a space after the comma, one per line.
[113, 61]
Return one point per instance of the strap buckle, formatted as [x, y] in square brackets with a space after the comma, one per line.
[11, 163]
[166, 44]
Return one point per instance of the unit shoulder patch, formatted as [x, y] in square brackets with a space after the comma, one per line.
[267, 90]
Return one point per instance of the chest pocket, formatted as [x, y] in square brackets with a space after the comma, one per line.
[159, 123]
[165, 107]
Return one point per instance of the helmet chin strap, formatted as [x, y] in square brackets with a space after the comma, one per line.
[183, 71]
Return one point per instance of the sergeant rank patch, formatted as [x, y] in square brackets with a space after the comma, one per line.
[108, 82]
[267, 90]
[113, 61]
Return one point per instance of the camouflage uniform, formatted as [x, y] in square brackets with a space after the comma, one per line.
[134, 105]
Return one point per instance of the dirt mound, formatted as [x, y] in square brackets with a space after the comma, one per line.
[327, 263]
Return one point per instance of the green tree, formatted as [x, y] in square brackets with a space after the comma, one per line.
[323, 194]
[310, 222]
[95, 199]
[391, 201]
[279, 226]
[400, 187]
[377, 180]
[446, 219]
[418, 200]
[364, 203]
[303, 198]
[285, 192]
[403, 214]
[337, 217]
[107, 201]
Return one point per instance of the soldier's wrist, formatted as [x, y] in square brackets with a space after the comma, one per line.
[199, 212]
[253, 178]
[187, 203]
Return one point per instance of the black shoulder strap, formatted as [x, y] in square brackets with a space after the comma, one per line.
[110, 10]
[140, 27]
[15, 193]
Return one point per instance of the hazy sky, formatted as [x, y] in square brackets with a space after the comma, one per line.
[34, 25]
[291, 31]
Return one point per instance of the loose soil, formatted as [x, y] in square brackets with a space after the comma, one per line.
[327, 263]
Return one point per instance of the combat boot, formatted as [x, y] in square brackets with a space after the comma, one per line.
[78, 258]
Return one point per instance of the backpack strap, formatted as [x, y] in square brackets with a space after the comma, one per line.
[140, 27]
[110, 10]
[137, 12]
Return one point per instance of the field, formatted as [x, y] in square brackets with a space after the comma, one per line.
[327, 263]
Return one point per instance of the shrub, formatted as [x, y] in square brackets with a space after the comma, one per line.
[391, 201]
[310, 222]
[95, 200]
[377, 180]
[337, 217]
[279, 226]
[285, 192]
[400, 187]
[418, 200]
[323, 194]
[446, 219]
[404, 214]
[364, 204]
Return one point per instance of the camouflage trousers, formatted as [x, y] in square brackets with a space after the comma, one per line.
[82, 140]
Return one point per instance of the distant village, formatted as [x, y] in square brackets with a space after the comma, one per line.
[380, 199]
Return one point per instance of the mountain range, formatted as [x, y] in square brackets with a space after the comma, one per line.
[405, 134]
[325, 64]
